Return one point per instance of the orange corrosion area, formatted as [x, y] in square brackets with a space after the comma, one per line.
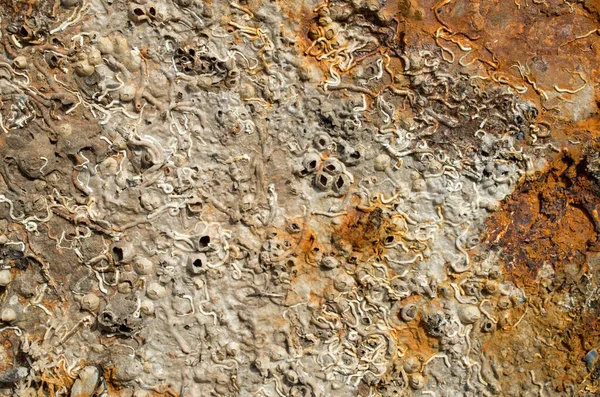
[365, 231]
[22, 10]
[548, 49]
[358, 233]
[361, 234]
[114, 387]
[412, 338]
[546, 236]
[548, 340]
[552, 220]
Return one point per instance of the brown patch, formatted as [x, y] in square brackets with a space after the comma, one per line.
[363, 230]
[552, 220]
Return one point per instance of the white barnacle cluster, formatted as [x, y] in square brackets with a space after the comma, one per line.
[201, 216]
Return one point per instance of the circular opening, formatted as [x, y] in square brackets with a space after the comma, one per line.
[204, 241]
[312, 164]
[138, 11]
[107, 317]
[117, 254]
[389, 239]
[197, 263]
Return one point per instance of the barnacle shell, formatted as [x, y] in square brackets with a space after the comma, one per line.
[90, 302]
[143, 266]
[468, 314]
[83, 68]
[5, 277]
[20, 62]
[155, 291]
[8, 315]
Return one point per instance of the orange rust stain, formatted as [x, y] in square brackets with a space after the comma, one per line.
[552, 220]
[411, 337]
[363, 230]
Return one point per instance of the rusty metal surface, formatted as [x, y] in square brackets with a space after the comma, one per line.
[299, 198]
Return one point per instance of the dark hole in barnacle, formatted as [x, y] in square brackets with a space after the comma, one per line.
[330, 168]
[53, 61]
[152, 11]
[138, 11]
[389, 239]
[355, 155]
[204, 241]
[339, 183]
[488, 326]
[110, 277]
[197, 263]
[117, 254]
[323, 180]
[107, 317]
